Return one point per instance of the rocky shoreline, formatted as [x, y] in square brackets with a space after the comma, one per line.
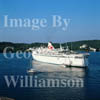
[6, 98]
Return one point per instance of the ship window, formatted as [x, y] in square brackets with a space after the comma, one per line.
[78, 57]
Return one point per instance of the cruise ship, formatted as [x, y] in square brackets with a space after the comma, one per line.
[60, 56]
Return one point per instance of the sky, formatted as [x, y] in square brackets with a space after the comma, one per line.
[84, 18]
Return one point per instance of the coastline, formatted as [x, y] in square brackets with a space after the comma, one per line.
[72, 45]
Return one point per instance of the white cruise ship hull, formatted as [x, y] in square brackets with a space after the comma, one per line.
[78, 60]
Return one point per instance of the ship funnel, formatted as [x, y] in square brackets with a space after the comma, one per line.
[50, 46]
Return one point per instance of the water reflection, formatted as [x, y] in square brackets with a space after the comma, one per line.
[54, 69]
[50, 71]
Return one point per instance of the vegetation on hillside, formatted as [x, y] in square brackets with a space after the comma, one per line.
[72, 45]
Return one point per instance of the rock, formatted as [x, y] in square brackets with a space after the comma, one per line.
[5, 98]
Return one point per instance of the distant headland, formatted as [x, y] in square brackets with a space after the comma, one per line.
[84, 45]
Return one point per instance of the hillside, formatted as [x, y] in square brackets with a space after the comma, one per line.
[72, 45]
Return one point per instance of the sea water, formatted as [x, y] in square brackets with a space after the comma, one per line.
[18, 68]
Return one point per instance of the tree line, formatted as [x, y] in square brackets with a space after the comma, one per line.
[72, 45]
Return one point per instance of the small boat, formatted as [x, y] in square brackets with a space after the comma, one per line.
[31, 70]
